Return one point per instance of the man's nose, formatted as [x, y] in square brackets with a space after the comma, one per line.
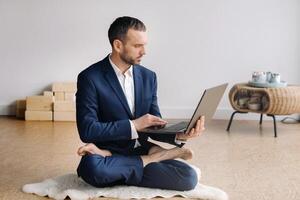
[143, 51]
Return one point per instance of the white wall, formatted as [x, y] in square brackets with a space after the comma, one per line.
[192, 44]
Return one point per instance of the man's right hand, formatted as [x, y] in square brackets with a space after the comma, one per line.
[148, 120]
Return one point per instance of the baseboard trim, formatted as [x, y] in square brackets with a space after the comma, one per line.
[178, 113]
[8, 110]
[221, 113]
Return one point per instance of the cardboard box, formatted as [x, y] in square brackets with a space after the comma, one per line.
[20, 113]
[48, 93]
[21, 104]
[20, 108]
[64, 87]
[39, 103]
[64, 116]
[38, 115]
[69, 96]
[59, 96]
[64, 106]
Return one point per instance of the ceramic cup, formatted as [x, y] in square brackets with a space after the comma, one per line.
[259, 77]
[269, 76]
[275, 78]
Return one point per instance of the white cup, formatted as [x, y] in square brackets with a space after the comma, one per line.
[275, 78]
[259, 77]
[269, 76]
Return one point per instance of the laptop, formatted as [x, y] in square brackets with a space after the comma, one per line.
[207, 107]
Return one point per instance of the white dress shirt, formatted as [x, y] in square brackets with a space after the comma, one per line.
[127, 84]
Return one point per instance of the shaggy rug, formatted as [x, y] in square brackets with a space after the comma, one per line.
[75, 188]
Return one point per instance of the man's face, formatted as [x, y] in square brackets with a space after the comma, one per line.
[133, 47]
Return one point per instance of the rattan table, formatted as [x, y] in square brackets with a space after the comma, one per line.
[274, 101]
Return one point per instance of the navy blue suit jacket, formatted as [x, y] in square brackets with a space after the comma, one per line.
[102, 111]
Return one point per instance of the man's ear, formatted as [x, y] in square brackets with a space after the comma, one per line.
[118, 45]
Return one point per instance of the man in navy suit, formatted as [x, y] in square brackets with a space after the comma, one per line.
[117, 98]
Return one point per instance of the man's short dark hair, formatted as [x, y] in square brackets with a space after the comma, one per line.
[119, 28]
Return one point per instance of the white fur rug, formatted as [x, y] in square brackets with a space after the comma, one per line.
[76, 189]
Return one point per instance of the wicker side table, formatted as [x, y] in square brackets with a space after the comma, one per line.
[276, 101]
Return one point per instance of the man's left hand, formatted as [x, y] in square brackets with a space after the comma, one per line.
[194, 132]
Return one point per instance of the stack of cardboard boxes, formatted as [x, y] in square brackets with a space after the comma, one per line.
[64, 105]
[56, 105]
[39, 108]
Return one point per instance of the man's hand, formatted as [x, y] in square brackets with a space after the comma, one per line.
[194, 132]
[148, 120]
[92, 149]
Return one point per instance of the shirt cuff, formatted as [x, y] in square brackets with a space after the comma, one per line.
[134, 134]
[179, 141]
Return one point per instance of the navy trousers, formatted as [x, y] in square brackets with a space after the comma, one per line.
[128, 170]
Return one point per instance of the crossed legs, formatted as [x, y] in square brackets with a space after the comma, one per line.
[100, 168]
[155, 154]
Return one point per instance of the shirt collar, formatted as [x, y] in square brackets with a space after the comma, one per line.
[118, 71]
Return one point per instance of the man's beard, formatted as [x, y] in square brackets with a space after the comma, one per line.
[130, 61]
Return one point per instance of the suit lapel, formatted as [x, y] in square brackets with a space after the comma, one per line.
[113, 81]
[138, 91]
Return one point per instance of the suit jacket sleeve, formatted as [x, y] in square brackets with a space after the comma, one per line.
[154, 110]
[90, 128]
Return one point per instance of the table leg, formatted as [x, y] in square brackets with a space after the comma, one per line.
[274, 122]
[231, 118]
[261, 118]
